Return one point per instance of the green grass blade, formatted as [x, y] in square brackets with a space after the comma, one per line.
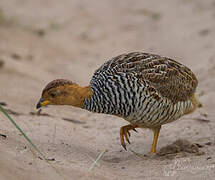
[20, 130]
[29, 141]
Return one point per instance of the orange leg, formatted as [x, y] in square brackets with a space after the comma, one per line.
[124, 133]
[155, 140]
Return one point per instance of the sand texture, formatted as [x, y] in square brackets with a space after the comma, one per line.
[42, 40]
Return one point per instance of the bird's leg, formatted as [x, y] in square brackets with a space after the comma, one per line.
[124, 133]
[156, 131]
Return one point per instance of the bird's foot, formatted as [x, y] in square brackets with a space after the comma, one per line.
[125, 134]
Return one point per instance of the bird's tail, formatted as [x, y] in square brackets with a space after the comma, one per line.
[195, 104]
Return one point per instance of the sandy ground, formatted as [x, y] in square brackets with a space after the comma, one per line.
[47, 39]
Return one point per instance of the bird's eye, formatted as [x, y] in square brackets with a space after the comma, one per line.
[53, 94]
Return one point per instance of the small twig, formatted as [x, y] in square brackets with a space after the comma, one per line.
[74, 121]
[49, 159]
[97, 159]
[3, 135]
[201, 120]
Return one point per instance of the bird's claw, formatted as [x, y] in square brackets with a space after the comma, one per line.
[125, 134]
[124, 146]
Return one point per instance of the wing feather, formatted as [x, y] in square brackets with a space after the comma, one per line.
[167, 76]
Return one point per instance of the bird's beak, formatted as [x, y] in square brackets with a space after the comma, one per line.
[42, 102]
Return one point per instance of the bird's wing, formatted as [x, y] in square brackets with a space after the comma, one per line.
[166, 76]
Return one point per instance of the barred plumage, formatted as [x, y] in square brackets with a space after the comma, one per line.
[145, 89]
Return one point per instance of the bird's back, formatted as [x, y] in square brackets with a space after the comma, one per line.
[138, 84]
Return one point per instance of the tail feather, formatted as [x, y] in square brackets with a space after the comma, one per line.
[195, 104]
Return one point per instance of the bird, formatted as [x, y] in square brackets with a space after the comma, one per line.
[145, 89]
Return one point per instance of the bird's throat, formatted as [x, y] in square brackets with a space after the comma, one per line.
[79, 94]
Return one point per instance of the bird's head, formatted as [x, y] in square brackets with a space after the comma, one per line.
[64, 92]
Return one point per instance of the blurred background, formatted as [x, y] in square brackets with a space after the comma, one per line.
[41, 40]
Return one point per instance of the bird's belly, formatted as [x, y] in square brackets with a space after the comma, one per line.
[153, 113]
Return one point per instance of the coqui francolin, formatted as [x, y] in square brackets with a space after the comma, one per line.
[147, 90]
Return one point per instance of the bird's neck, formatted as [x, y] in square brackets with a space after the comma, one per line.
[78, 95]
